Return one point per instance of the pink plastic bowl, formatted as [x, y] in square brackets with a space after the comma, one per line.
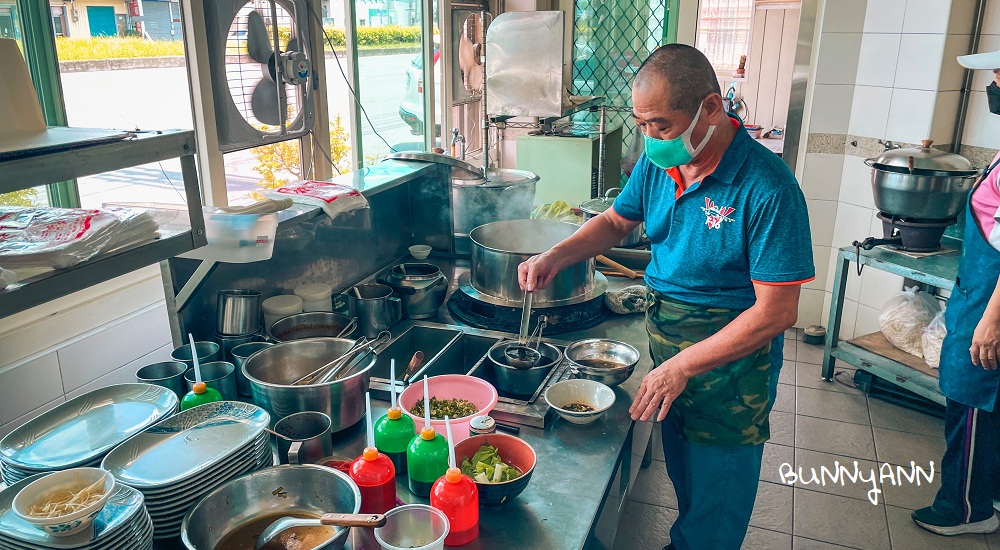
[451, 386]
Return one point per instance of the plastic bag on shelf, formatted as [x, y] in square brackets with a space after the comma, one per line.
[931, 339]
[63, 237]
[333, 198]
[904, 317]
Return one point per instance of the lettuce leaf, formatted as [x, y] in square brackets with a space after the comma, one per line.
[486, 466]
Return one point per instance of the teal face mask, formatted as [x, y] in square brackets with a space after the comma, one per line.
[668, 153]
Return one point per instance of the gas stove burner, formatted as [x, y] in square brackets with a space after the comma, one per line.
[507, 318]
[912, 235]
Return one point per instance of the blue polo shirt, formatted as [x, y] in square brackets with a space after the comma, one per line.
[744, 223]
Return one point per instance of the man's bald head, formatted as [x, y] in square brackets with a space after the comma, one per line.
[684, 70]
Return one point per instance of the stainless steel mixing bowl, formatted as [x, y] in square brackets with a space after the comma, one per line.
[602, 350]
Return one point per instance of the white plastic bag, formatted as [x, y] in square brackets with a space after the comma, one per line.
[904, 317]
[932, 338]
[333, 198]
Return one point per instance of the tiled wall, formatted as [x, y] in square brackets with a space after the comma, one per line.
[97, 342]
[886, 70]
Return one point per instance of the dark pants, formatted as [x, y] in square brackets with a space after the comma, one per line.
[969, 469]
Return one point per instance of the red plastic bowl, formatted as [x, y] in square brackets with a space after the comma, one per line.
[513, 451]
[451, 386]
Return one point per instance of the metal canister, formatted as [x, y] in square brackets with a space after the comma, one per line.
[482, 425]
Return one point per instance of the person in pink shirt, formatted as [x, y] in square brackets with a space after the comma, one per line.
[968, 375]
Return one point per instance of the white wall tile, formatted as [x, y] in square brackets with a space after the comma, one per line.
[126, 373]
[927, 16]
[838, 58]
[822, 220]
[962, 15]
[848, 319]
[28, 385]
[855, 185]
[821, 262]
[852, 223]
[885, 16]
[952, 74]
[987, 43]
[831, 109]
[832, 266]
[821, 176]
[919, 64]
[910, 115]
[19, 421]
[845, 16]
[867, 321]
[112, 347]
[870, 112]
[982, 129]
[877, 59]
[943, 123]
[810, 308]
[877, 286]
[991, 21]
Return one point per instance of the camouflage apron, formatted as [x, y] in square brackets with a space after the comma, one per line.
[726, 406]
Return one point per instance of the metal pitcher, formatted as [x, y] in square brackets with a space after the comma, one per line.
[375, 308]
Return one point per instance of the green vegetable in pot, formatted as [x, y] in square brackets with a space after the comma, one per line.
[486, 466]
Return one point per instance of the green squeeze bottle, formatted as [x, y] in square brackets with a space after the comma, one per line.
[200, 393]
[394, 431]
[427, 454]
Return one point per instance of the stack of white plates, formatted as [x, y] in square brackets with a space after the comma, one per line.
[122, 524]
[82, 430]
[183, 458]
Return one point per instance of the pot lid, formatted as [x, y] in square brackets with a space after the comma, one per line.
[923, 159]
[459, 168]
[504, 177]
[596, 206]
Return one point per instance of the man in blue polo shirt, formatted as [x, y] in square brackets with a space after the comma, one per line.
[730, 251]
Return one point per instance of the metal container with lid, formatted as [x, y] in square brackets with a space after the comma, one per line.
[505, 194]
[594, 207]
[421, 287]
[921, 183]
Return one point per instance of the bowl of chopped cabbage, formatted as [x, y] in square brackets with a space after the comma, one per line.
[500, 464]
[459, 396]
[65, 503]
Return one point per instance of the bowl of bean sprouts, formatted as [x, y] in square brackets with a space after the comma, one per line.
[65, 503]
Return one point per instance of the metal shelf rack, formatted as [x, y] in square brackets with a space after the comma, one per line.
[74, 161]
[872, 352]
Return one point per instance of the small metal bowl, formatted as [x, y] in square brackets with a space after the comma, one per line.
[606, 361]
[521, 381]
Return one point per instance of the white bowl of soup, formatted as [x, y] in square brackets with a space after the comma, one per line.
[65, 503]
[580, 401]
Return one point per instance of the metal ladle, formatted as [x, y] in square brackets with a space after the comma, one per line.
[523, 355]
[339, 520]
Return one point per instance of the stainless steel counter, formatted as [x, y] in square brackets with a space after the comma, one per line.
[582, 473]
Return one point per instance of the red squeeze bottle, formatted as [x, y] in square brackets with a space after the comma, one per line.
[457, 496]
[376, 479]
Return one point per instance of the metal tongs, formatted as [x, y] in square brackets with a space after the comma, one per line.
[346, 362]
[524, 355]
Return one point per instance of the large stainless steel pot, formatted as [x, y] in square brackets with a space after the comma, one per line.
[499, 247]
[282, 489]
[272, 370]
[594, 208]
[505, 194]
[421, 287]
[921, 183]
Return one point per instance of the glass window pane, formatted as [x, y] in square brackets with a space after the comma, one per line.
[724, 32]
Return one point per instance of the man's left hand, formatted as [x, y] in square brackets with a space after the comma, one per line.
[658, 390]
[986, 344]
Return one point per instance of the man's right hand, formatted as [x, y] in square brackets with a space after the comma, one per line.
[536, 272]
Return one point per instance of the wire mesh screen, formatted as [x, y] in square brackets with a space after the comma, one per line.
[611, 39]
[244, 74]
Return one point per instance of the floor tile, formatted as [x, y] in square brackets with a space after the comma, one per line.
[840, 520]
[808, 375]
[899, 449]
[810, 461]
[758, 538]
[653, 486]
[832, 405]
[787, 374]
[901, 419]
[789, 352]
[782, 428]
[647, 528]
[802, 543]
[774, 457]
[829, 436]
[907, 535]
[785, 399]
[809, 353]
[773, 508]
[793, 334]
